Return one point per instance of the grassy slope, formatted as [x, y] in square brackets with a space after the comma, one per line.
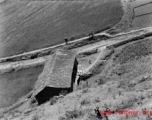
[124, 84]
[131, 61]
[17, 83]
[128, 72]
[27, 26]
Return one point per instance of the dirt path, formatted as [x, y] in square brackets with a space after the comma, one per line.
[116, 37]
[97, 45]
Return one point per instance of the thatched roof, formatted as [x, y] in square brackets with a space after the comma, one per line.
[57, 72]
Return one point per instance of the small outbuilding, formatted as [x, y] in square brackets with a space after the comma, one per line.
[58, 76]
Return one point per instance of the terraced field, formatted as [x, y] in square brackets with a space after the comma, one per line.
[15, 84]
[27, 25]
[142, 15]
[137, 15]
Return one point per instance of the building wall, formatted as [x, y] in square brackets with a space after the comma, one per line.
[48, 92]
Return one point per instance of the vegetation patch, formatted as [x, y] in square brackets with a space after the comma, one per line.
[134, 51]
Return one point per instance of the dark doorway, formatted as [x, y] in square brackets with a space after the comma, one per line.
[48, 93]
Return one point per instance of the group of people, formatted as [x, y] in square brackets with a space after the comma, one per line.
[91, 36]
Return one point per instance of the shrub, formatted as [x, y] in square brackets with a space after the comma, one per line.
[35, 117]
[75, 114]
[85, 102]
[100, 81]
[92, 117]
[85, 91]
[97, 100]
[122, 84]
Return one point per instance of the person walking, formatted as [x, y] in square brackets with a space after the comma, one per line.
[66, 40]
[91, 35]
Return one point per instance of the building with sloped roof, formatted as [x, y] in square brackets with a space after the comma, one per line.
[58, 75]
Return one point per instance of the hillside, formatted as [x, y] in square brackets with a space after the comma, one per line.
[137, 15]
[122, 83]
[114, 67]
[31, 25]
